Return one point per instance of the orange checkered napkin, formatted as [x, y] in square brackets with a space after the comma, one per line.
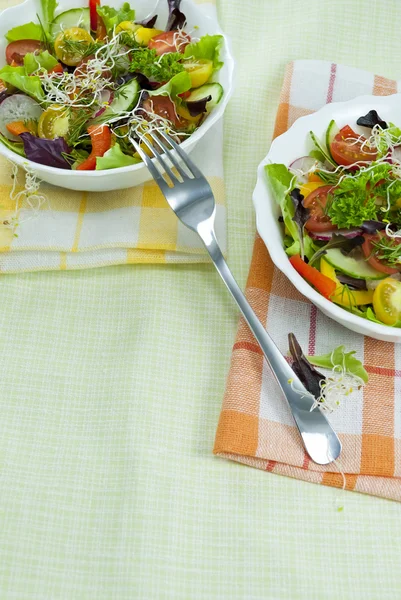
[256, 427]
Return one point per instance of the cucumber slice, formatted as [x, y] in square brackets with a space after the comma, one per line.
[331, 133]
[355, 267]
[323, 153]
[76, 17]
[124, 100]
[214, 90]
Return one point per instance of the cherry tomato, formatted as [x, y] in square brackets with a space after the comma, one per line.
[316, 202]
[164, 107]
[346, 148]
[387, 301]
[370, 253]
[71, 45]
[16, 51]
[169, 41]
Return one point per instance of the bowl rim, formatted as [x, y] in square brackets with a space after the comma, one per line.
[212, 118]
[262, 193]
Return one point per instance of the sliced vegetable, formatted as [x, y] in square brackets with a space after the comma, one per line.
[355, 267]
[199, 71]
[93, 4]
[76, 17]
[125, 99]
[169, 41]
[71, 45]
[46, 152]
[321, 153]
[331, 133]
[338, 240]
[387, 301]
[16, 128]
[316, 203]
[101, 140]
[16, 51]
[343, 295]
[54, 122]
[321, 282]
[372, 254]
[214, 91]
[17, 107]
[348, 148]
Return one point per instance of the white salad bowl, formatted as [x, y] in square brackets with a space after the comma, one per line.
[124, 177]
[292, 145]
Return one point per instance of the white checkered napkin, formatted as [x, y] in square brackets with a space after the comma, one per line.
[77, 230]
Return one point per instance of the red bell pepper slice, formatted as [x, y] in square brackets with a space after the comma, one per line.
[93, 4]
[323, 284]
[101, 142]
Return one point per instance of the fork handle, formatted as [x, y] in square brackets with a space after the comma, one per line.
[320, 441]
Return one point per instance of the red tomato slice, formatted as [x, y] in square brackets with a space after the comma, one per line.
[16, 51]
[164, 107]
[369, 252]
[316, 202]
[346, 148]
[169, 41]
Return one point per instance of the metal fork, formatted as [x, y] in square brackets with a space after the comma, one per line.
[191, 198]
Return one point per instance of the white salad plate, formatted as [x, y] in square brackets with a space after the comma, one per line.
[198, 20]
[294, 144]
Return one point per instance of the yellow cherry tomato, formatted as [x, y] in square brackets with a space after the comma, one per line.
[71, 45]
[143, 35]
[387, 301]
[127, 26]
[54, 122]
[199, 71]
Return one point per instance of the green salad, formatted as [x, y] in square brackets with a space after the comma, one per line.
[79, 85]
[341, 215]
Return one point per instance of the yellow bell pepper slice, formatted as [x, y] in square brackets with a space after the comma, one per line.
[307, 188]
[343, 295]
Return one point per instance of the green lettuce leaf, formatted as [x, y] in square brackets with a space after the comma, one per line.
[208, 48]
[33, 62]
[29, 31]
[112, 17]
[17, 76]
[309, 247]
[177, 85]
[341, 358]
[48, 10]
[14, 146]
[114, 158]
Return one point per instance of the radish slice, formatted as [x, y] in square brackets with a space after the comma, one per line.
[17, 108]
[326, 236]
[396, 154]
[302, 166]
[106, 98]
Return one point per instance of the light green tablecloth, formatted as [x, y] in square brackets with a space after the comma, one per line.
[112, 380]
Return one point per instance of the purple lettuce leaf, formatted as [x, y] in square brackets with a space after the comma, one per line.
[148, 23]
[46, 152]
[176, 19]
[198, 106]
[307, 374]
[371, 119]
